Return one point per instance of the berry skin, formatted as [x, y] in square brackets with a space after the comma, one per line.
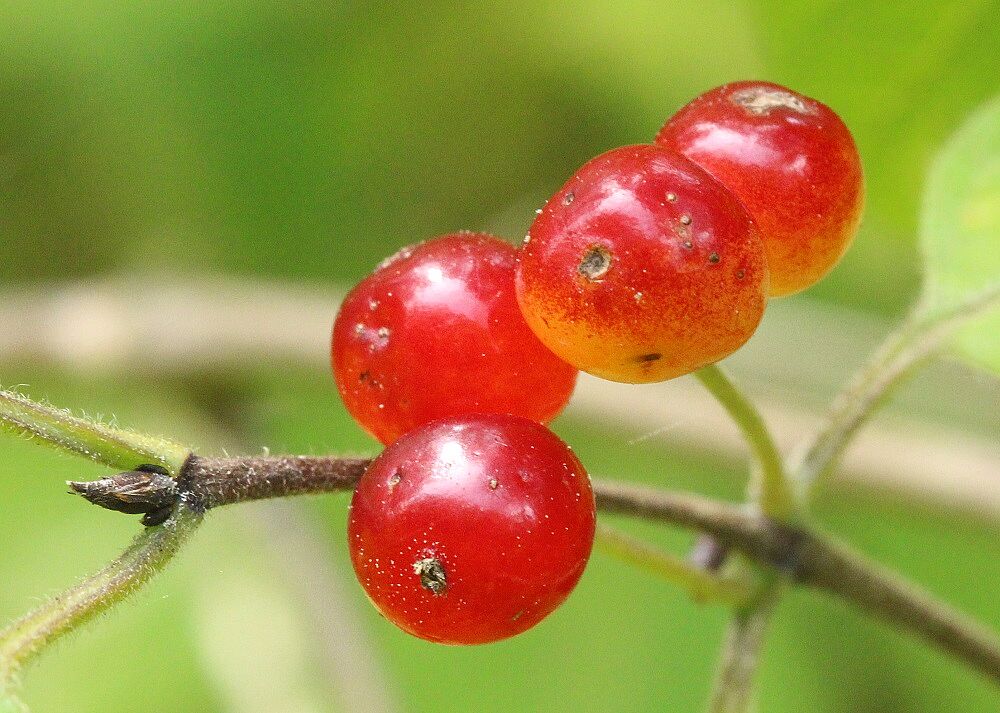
[471, 529]
[435, 331]
[642, 268]
[790, 160]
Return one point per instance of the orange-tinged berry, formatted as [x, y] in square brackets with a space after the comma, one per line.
[642, 268]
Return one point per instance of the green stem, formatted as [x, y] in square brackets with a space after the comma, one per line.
[741, 652]
[771, 488]
[921, 335]
[115, 447]
[700, 584]
[149, 553]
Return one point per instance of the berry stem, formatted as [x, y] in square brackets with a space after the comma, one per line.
[24, 639]
[702, 585]
[917, 339]
[770, 488]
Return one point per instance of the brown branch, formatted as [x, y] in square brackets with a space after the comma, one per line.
[224, 481]
[801, 555]
[832, 566]
[812, 559]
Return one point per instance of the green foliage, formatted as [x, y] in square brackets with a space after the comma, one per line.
[960, 230]
[245, 135]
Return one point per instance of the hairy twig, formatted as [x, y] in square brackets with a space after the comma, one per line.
[212, 482]
[148, 554]
[799, 554]
[919, 337]
[113, 446]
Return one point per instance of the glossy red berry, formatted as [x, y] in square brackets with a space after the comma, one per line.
[471, 529]
[436, 331]
[790, 160]
[642, 268]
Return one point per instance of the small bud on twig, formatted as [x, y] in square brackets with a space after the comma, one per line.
[708, 553]
[147, 490]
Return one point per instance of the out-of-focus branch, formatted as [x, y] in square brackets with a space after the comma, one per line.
[124, 326]
[915, 341]
[347, 657]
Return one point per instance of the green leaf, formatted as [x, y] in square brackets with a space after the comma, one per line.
[960, 232]
[113, 446]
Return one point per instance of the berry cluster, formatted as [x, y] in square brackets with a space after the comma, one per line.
[652, 261]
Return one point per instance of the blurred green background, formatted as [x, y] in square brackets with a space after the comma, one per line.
[297, 144]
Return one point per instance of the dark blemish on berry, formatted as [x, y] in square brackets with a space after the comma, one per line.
[671, 197]
[395, 479]
[433, 578]
[761, 101]
[714, 258]
[646, 358]
[685, 219]
[364, 376]
[569, 198]
[493, 483]
[740, 274]
[595, 263]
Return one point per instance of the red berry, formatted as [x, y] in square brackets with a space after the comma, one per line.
[642, 268]
[790, 160]
[471, 529]
[436, 331]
